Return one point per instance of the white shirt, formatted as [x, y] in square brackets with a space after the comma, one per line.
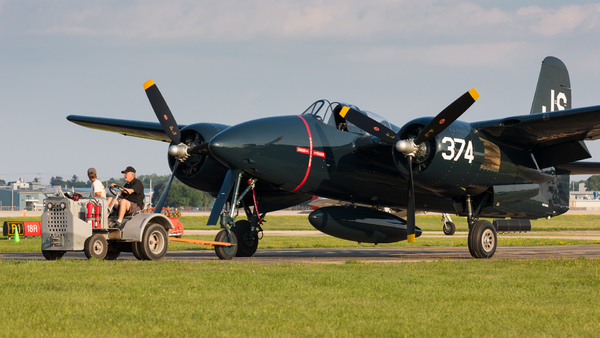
[97, 186]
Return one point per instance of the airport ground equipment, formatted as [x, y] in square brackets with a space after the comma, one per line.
[177, 230]
[68, 225]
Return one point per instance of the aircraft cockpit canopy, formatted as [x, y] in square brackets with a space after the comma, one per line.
[328, 112]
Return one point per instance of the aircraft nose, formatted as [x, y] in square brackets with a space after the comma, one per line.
[242, 145]
[230, 146]
[266, 148]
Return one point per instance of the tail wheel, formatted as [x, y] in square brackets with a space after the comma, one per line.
[247, 240]
[155, 242]
[483, 240]
[226, 252]
[449, 228]
[95, 247]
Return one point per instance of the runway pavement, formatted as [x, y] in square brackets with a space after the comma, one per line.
[342, 255]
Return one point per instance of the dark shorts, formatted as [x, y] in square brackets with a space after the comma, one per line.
[134, 207]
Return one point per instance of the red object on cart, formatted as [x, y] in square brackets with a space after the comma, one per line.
[177, 230]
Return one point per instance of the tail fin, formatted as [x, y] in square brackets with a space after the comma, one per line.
[553, 91]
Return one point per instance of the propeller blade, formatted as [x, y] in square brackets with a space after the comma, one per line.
[410, 217]
[368, 124]
[223, 196]
[163, 197]
[447, 116]
[162, 111]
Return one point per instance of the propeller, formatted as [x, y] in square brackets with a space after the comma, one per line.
[162, 111]
[410, 147]
[182, 151]
[167, 121]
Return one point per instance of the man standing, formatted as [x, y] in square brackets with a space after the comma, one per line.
[132, 199]
[97, 186]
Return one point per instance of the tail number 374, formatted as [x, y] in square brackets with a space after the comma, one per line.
[454, 148]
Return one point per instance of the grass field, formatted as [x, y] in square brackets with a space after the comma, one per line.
[224, 298]
[425, 222]
[173, 299]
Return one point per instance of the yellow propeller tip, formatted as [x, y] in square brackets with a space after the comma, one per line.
[148, 84]
[410, 238]
[344, 111]
[474, 94]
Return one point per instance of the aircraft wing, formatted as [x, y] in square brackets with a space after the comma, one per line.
[142, 129]
[553, 137]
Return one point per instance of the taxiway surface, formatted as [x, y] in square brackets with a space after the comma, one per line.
[342, 255]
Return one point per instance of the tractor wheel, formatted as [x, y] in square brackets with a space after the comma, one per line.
[52, 255]
[135, 249]
[155, 242]
[113, 252]
[226, 252]
[95, 247]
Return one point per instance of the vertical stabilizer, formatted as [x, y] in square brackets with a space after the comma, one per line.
[553, 91]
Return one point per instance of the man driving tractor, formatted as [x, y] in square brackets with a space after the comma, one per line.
[132, 199]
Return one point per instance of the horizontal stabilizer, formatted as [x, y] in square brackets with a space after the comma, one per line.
[581, 168]
[547, 134]
[142, 129]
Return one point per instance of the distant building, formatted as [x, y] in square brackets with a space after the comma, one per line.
[22, 196]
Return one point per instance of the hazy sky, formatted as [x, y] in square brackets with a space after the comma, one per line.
[231, 61]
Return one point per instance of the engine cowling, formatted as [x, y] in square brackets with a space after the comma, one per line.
[200, 171]
[461, 160]
[360, 224]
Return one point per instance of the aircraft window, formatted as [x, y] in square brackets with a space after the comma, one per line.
[321, 108]
[329, 113]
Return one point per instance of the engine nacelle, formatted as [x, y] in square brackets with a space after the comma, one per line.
[200, 171]
[461, 159]
[360, 224]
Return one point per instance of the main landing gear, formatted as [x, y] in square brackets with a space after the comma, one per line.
[483, 237]
[242, 234]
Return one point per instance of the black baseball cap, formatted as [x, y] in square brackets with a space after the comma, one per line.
[128, 169]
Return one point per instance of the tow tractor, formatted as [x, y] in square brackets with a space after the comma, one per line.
[73, 223]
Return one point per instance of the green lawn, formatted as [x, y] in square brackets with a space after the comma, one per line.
[228, 299]
[425, 222]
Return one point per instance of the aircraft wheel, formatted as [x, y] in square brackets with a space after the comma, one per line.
[113, 252]
[226, 252]
[155, 242]
[95, 247]
[483, 240]
[247, 240]
[449, 228]
[52, 255]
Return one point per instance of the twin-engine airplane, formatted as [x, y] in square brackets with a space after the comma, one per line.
[516, 167]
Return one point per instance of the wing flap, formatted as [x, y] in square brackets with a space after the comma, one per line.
[142, 129]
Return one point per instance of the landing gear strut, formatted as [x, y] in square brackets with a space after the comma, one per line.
[482, 234]
[242, 234]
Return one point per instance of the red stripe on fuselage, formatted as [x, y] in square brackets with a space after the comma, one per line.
[310, 154]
